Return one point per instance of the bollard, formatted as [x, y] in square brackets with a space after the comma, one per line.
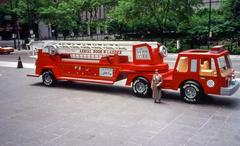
[19, 65]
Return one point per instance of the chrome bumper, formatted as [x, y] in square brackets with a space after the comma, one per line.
[230, 89]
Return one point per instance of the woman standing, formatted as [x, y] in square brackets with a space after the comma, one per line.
[156, 87]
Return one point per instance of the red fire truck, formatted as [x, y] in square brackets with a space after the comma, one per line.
[196, 72]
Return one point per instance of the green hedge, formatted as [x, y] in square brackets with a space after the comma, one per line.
[233, 47]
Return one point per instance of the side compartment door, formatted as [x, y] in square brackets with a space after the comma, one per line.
[69, 68]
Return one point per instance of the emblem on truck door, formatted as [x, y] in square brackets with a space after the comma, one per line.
[210, 83]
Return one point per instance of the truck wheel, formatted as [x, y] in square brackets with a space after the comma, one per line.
[141, 87]
[48, 78]
[191, 92]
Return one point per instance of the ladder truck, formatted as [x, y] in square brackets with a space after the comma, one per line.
[196, 72]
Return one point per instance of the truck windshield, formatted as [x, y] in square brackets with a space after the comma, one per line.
[225, 65]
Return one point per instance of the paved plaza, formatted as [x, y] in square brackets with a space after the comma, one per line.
[88, 114]
[81, 114]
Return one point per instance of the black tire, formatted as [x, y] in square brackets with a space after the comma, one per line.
[141, 87]
[191, 92]
[48, 78]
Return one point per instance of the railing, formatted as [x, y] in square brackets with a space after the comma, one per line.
[87, 49]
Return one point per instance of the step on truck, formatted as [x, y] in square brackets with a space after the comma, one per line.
[196, 72]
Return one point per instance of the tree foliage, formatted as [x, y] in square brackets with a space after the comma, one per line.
[62, 15]
[186, 18]
[225, 21]
[153, 14]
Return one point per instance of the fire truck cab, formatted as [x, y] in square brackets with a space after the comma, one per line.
[199, 72]
[196, 72]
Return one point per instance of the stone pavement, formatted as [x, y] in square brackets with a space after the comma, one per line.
[80, 114]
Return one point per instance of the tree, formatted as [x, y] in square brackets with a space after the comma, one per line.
[61, 15]
[90, 7]
[231, 9]
[225, 24]
[25, 12]
[157, 15]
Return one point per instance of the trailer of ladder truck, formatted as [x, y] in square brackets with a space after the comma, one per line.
[196, 72]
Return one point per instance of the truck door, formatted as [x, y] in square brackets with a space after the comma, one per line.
[180, 71]
[208, 75]
[185, 69]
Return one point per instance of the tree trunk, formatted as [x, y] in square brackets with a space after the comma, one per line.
[49, 31]
[18, 35]
[88, 28]
[161, 35]
[238, 40]
[231, 45]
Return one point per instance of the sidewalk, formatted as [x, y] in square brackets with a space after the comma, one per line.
[14, 64]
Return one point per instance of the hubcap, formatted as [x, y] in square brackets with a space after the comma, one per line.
[48, 79]
[190, 92]
[140, 87]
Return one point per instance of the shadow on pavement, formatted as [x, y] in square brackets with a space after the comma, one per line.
[5, 54]
[210, 100]
[101, 88]
[227, 102]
